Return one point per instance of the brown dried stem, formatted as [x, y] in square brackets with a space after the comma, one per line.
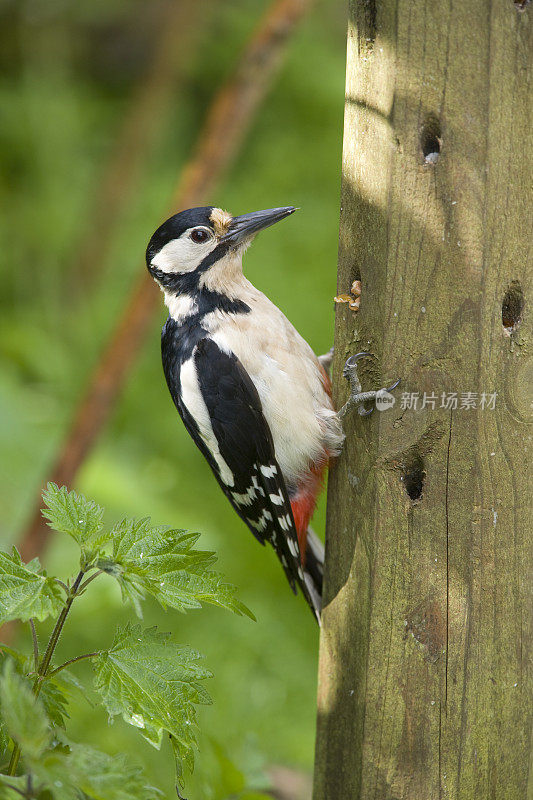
[226, 125]
[178, 33]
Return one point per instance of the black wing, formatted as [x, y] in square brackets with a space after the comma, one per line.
[258, 493]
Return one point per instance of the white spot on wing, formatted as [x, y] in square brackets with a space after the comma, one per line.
[245, 499]
[194, 402]
[256, 486]
[277, 499]
[292, 547]
[261, 523]
[268, 472]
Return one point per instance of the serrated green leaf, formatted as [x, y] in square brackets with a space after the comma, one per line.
[133, 583]
[208, 588]
[153, 684]
[72, 513]
[24, 593]
[163, 562]
[54, 701]
[23, 713]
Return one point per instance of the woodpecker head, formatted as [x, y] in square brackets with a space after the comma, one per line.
[201, 246]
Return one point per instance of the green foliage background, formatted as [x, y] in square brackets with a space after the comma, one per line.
[68, 73]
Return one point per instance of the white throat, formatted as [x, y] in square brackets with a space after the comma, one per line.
[180, 306]
[225, 276]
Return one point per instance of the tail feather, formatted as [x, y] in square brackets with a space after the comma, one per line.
[311, 549]
[314, 570]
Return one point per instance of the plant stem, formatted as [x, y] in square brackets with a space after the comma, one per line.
[88, 580]
[45, 663]
[16, 789]
[15, 755]
[56, 633]
[35, 645]
[72, 661]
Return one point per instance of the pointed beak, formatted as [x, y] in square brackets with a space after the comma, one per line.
[247, 225]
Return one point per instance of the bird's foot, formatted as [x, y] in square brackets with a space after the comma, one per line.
[358, 398]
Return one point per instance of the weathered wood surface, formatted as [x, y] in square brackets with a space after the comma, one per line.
[425, 663]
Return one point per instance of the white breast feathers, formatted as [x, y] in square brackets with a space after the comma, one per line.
[289, 381]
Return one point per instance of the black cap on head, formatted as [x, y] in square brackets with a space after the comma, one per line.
[175, 226]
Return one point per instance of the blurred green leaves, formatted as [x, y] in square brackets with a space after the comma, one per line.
[70, 771]
[23, 714]
[57, 766]
[63, 770]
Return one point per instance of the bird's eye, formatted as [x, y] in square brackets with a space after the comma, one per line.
[199, 235]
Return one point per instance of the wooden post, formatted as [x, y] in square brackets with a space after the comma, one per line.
[425, 661]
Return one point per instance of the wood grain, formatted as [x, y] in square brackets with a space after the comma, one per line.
[425, 662]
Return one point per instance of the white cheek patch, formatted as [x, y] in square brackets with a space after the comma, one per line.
[182, 255]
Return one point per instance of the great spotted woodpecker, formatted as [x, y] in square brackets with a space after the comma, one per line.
[249, 389]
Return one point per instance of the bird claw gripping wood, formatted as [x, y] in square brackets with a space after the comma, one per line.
[357, 396]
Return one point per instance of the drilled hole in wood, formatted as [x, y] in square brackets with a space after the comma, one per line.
[367, 25]
[430, 140]
[512, 307]
[413, 476]
[371, 14]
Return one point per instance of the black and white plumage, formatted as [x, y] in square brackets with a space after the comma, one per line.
[249, 389]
